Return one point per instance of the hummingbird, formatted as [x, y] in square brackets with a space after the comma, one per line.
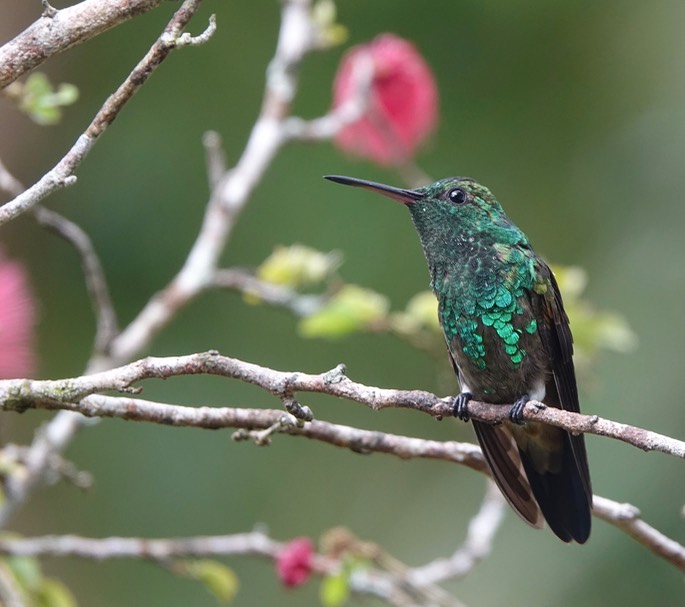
[509, 342]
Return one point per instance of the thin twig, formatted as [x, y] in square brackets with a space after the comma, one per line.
[255, 543]
[8, 182]
[105, 316]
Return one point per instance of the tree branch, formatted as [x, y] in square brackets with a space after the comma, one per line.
[20, 394]
[57, 31]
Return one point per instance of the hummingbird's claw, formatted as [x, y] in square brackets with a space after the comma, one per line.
[516, 413]
[460, 406]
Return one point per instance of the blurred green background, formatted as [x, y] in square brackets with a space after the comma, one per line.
[572, 113]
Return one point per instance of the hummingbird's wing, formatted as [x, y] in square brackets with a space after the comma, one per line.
[555, 461]
[556, 335]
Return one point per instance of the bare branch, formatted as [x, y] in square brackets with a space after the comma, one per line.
[326, 127]
[228, 198]
[62, 174]
[249, 420]
[390, 585]
[255, 544]
[59, 30]
[20, 394]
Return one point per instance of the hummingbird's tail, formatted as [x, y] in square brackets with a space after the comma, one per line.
[563, 495]
[540, 475]
[502, 455]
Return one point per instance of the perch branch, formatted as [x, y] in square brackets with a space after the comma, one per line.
[19, 394]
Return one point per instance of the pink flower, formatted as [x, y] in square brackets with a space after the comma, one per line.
[17, 314]
[294, 562]
[403, 103]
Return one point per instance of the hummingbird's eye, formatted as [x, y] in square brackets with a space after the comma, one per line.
[457, 196]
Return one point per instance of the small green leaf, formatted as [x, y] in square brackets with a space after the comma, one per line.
[219, 579]
[572, 281]
[53, 593]
[421, 313]
[330, 33]
[593, 331]
[298, 266]
[41, 102]
[351, 309]
[335, 589]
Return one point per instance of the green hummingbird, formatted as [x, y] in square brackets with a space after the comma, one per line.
[509, 341]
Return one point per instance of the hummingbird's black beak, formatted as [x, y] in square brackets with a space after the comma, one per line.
[399, 194]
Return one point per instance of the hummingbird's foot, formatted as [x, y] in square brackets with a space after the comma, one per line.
[460, 406]
[516, 413]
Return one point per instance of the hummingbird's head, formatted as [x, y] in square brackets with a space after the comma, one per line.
[454, 207]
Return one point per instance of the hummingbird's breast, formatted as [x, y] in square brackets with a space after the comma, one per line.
[486, 312]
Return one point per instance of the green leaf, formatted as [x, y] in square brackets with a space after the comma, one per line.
[53, 593]
[219, 579]
[420, 314]
[43, 103]
[352, 309]
[593, 331]
[330, 33]
[298, 266]
[335, 589]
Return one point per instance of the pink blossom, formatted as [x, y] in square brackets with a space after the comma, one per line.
[294, 562]
[17, 314]
[403, 103]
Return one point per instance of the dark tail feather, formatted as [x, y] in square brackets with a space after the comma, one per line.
[565, 497]
[501, 453]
